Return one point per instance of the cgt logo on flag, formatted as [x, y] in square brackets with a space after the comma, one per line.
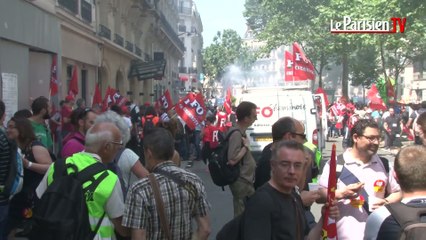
[348, 25]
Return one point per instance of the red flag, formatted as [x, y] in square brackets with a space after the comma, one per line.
[97, 97]
[109, 96]
[376, 101]
[53, 76]
[191, 109]
[321, 91]
[329, 229]
[165, 101]
[302, 66]
[73, 87]
[227, 103]
[288, 66]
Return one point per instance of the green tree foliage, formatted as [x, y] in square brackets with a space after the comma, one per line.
[227, 49]
[281, 22]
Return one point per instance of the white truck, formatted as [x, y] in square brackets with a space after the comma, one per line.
[275, 103]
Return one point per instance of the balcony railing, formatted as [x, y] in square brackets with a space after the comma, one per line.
[119, 39]
[185, 10]
[192, 70]
[183, 70]
[70, 5]
[104, 32]
[86, 11]
[147, 57]
[171, 32]
[138, 51]
[129, 46]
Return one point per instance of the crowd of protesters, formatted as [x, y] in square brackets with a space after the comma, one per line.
[144, 144]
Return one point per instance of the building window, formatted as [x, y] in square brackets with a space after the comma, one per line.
[86, 11]
[71, 5]
[69, 75]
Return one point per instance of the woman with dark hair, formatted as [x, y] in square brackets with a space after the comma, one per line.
[172, 126]
[36, 161]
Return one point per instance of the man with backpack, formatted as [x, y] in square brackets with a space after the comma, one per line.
[397, 220]
[364, 181]
[68, 211]
[4, 164]
[239, 155]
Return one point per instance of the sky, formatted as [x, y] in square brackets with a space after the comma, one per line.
[217, 15]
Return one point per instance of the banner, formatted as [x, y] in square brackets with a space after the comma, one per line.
[324, 94]
[165, 101]
[73, 87]
[108, 100]
[53, 76]
[97, 97]
[376, 101]
[288, 66]
[302, 66]
[227, 103]
[191, 109]
[329, 228]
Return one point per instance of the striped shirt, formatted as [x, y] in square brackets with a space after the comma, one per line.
[4, 164]
[180, 206]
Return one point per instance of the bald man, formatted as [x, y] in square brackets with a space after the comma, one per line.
[102, 142]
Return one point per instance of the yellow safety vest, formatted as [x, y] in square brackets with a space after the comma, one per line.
[101, 194]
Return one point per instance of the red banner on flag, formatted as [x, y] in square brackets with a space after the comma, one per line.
[324, 94]
[329, 228]
[227, 103]
[302, 66]
[53, 76]
[97, 97]
[73, 87]
[109, 96]
[376, 102]
[288, 66]
[191, 109]
[165, 101]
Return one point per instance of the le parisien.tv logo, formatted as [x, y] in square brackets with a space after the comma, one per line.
[348, 25]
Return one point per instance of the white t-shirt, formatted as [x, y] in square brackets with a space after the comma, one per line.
[127, 160]
[353, 216]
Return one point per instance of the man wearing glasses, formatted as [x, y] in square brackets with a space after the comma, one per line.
[288, 128]
[364, 182]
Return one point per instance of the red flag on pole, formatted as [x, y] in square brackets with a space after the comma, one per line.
[376, 102]
[73, 87]
[302, 66]
[165, 101]
[329, 228]
[97, 97]
[53, 76]
[288, 66]
[227, 103]
[321, 91]
[191, 109]
[108, 99]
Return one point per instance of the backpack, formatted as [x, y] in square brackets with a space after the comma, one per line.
[221, 173]
[15, 176]
[62, 213]
[232, 230]
[409, 218]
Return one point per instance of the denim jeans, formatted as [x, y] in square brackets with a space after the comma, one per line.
[4, 213]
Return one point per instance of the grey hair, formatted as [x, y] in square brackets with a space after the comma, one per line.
[96, 139]
[117, 120]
